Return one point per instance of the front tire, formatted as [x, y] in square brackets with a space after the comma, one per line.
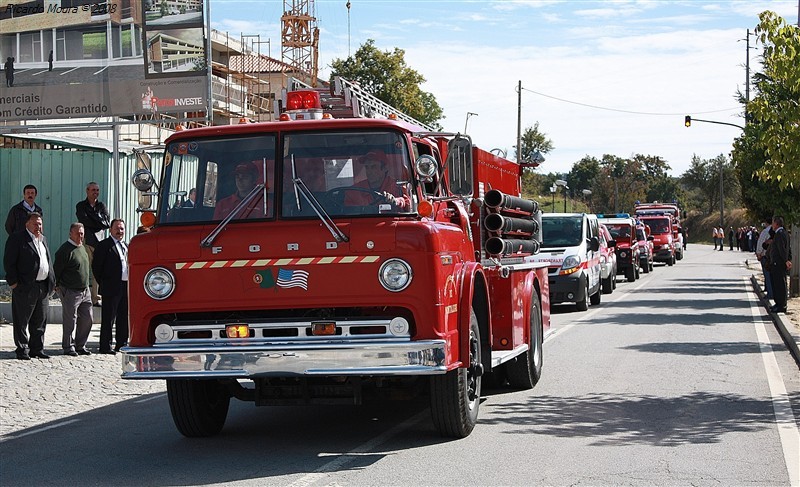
[456, 395]
[199, 407]
[583, 304]
[526, 370]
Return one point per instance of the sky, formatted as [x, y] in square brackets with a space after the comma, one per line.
[600, 77]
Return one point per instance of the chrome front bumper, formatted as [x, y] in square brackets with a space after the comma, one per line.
[285, 360]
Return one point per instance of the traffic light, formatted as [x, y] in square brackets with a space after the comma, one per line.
[688, 121]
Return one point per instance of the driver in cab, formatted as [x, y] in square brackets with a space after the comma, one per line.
[379, 181]
[246, 176]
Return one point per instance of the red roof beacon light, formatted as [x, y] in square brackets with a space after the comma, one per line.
[302, 100]
[304, 105]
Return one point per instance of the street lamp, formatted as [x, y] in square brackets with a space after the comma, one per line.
[587, 192]
[469, 114]
[562, 183]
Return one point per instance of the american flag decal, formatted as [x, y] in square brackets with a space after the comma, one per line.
[292, 278]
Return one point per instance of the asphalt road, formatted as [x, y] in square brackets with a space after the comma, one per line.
[678, 378]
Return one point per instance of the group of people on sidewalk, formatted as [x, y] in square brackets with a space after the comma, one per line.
[85, 267]
[775, 255]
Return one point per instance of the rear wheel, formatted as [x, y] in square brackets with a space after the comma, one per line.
[456, 395]
[525, 370]
[595, 298]
[630, 274]
[671, 261]
[650, 266]
[645, 266]
[199, 407]
[608, 284]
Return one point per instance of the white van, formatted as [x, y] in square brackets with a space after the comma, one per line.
[571, 247]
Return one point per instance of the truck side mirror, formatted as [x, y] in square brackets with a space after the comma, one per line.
[594, 244]
[459, 165]
[612, 243]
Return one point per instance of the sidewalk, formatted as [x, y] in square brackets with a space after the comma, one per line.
[787, 324]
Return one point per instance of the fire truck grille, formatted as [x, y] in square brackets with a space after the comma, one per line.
[189, 329]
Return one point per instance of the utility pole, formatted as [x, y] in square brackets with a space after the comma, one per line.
[519, 121]
[721, 195]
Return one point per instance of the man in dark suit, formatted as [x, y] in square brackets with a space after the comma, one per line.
[110, 268]
[18, 214]
[29, 272]
[94, 216]
[780, 261]
[191, 200]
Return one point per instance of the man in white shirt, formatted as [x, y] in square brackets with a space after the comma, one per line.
[29, 272]
[761, 255]
[110, 268]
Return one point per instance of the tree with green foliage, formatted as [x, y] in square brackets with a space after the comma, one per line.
[660, 185]
[583, 175]
[533, 140]
[385, 75]
[776, 107]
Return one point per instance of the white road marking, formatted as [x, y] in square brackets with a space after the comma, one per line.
[342, 459]
[40, 72]
[146, 399]
[550, 336]
[39, 430]
[784, 417]
[69, 71]
[98, 72]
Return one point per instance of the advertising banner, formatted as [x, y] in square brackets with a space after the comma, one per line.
[84, 58]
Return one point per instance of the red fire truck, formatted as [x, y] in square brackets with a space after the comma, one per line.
[327, 259]
[658, 213]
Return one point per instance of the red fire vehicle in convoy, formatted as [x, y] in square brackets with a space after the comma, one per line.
[646, 211]
[623, 230]
[330, 259]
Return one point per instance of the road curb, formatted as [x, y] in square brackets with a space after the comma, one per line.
[781, 322]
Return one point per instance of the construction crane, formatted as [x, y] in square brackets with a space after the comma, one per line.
[300, 38]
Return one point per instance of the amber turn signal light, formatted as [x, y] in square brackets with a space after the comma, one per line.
[324, 328]
[237, 331]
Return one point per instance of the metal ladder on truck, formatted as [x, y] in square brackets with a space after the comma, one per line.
[345, 99]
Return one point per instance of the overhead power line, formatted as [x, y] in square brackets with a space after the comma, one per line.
[621, 110]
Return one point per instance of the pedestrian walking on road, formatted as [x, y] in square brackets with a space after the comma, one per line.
[18, 214]
[50, 61]
[780, 261]
[111, 270]
[715, 236]
[29, 272]
[731, 234]
[94, 216]
[73, 286]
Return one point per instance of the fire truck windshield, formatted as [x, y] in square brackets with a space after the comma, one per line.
[659, 226]
[348, 173]
[619, 231]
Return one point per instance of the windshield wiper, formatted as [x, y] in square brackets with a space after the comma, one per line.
[326, 219]
[206, 242]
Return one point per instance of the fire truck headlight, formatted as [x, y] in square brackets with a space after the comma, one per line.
[395, 275]
[399, 326]
[159, 283]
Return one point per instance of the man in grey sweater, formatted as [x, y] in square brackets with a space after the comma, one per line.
[73, 281]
